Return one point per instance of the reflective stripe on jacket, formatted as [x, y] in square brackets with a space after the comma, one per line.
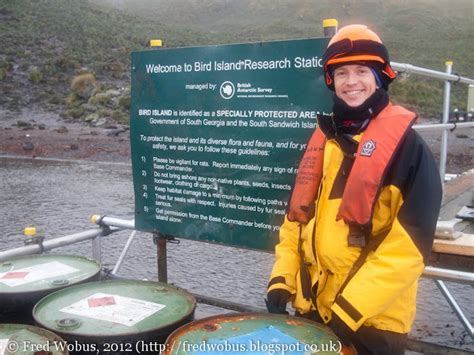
[383, 292]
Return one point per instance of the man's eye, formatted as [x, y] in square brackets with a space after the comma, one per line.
[339, 74]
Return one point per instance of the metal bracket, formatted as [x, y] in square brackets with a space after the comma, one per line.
[450, 230]
[106, 230]
[466, 213]
[169, 238]
[38, 240]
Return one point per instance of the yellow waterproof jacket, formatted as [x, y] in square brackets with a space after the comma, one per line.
[382, 293]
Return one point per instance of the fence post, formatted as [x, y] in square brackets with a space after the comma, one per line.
[161, 252]
[444, 137]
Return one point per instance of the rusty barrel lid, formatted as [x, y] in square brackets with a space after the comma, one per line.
[22, 339]
[115, 310]
[256, 333]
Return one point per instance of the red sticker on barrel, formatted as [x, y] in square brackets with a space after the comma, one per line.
[101, 301]
[15, 275]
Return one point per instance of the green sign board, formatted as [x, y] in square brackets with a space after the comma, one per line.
[217, 133]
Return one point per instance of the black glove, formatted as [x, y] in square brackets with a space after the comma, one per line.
[276, 301]
[341, 330]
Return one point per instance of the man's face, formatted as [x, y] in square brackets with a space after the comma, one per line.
[354, 83]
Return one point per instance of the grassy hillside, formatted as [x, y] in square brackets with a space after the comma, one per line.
[45, 43]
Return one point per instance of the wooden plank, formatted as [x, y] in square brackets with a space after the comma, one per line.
[464, 245]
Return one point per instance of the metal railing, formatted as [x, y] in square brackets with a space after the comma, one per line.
[448, 78]
[109, 225]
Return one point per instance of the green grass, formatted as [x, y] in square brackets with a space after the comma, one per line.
[64, 37]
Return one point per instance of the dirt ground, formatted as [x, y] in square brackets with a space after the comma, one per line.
[35, 133]
[39, 134]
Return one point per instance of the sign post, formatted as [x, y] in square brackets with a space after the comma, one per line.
[217, 133]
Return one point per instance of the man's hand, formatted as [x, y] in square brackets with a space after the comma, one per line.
[276, 301]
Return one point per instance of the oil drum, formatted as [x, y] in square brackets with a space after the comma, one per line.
[253, 333]
[116, 317]
[25, 280]
[21, 339]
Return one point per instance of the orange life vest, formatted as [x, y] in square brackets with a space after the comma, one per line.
[372, 161]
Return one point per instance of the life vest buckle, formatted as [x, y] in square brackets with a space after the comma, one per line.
[357, 236]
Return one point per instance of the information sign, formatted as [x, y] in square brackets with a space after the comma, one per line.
[217, 133]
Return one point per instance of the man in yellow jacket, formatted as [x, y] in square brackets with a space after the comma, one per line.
[363, 211]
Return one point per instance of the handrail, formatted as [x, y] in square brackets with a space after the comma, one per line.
[111, 224]
[50, 244]
[411, 69]
[447, 77]
[442, 126]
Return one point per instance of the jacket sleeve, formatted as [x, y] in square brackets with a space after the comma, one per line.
[287, 259]
[399, 261]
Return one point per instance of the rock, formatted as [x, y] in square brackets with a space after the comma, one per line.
[94, 133]
[74, 146]
[21, 123]
[28, 128]
[100, 122]
[111, 126]
[41, 126]
[28, 146]
[115, 132]
[62, 129]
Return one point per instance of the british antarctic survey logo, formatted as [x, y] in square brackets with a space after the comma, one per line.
[368, 148]
[227, 90]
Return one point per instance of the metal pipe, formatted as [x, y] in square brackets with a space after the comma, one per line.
[449, 275]
[455, 307]
[411, 69]
[442, 126]
[50, 244]
[444, 135]
[97, 249]
[119, 263]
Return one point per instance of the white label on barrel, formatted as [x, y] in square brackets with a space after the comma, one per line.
[35, 273]
[114, 308]
[3, 346]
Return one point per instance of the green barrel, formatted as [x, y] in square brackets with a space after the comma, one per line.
[116, 317]
[24, 339]
[25, 280]
[253, 333]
